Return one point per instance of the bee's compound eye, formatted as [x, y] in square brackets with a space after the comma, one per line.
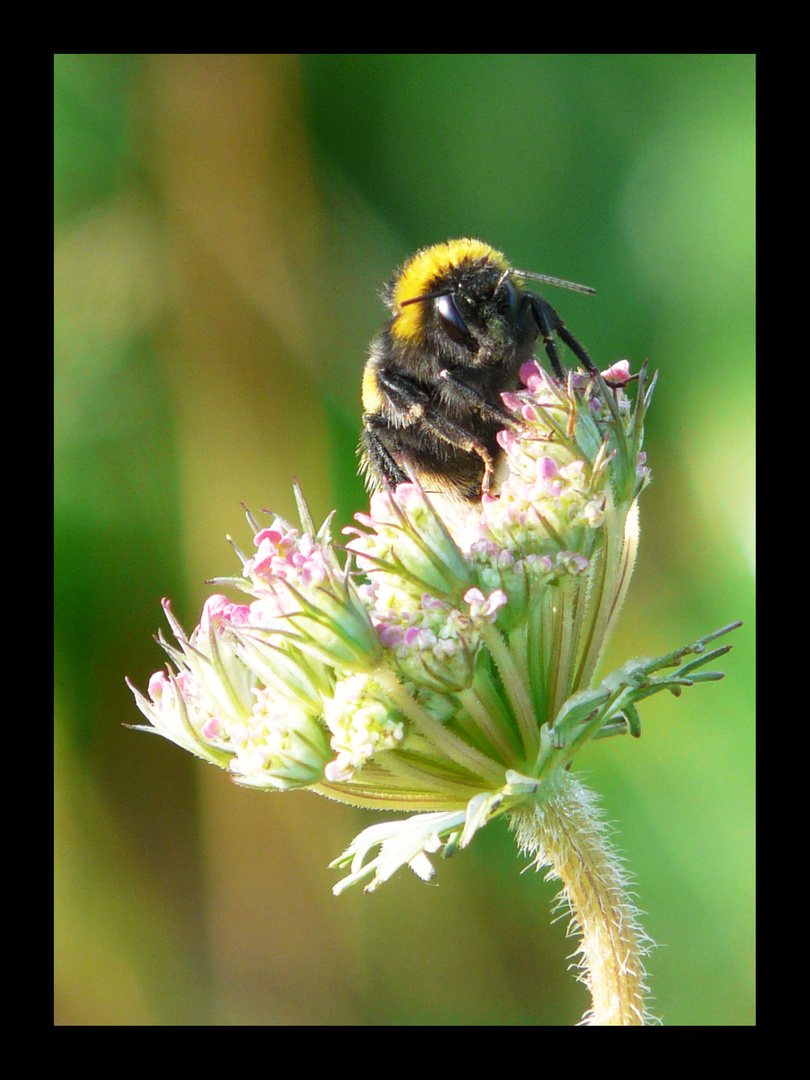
[453, 322]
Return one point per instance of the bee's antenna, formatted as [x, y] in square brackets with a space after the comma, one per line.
[554, 281]
[426, 296]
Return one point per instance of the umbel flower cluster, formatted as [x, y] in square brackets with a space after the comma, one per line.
[451, 676]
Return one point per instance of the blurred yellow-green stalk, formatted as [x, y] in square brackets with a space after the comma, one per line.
[222, 227]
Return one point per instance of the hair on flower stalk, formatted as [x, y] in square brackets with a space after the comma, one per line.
[444, 661]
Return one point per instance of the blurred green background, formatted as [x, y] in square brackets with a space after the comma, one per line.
[222, 227]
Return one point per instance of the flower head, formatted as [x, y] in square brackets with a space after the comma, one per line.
[449, 673]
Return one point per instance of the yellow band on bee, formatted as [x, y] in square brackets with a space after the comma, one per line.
[372, 399]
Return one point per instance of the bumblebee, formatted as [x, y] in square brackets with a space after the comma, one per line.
[461, 326]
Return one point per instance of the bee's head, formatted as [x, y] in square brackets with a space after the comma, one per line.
[460, 302]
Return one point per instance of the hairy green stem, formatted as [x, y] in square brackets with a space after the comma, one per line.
[565, 831]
